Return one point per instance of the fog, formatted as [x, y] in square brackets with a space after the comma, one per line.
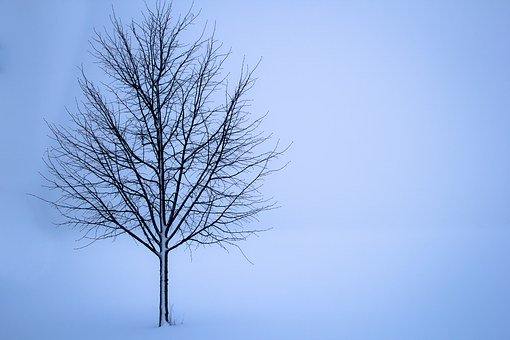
[394, 219]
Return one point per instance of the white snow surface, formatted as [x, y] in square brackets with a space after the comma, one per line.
[377, 283]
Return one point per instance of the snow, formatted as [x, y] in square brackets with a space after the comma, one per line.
[365, 283]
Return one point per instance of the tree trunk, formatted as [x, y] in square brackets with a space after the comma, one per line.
[164, 313]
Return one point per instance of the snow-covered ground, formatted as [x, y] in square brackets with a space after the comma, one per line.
[377, 283]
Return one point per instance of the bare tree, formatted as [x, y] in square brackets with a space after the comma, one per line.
[166, 151]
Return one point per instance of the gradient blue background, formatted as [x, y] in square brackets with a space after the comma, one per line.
[395, 217]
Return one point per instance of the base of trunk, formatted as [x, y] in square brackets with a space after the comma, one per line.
[165, 317]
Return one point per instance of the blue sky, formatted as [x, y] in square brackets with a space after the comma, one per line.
[397, 108]
[398, 114]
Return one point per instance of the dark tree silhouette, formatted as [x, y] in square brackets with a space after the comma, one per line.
[166, 151]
